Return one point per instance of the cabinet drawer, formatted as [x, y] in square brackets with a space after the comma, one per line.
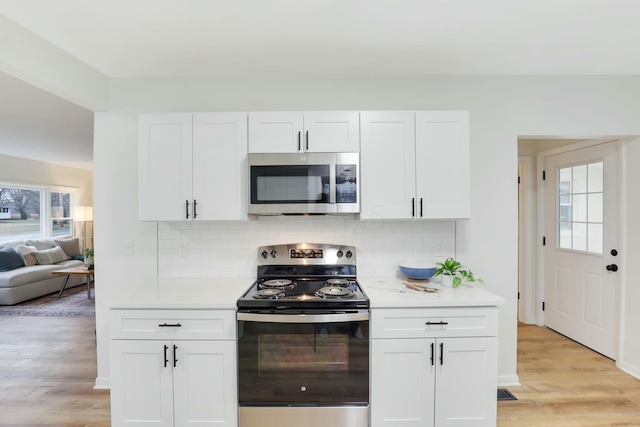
[172, 324]
[434, 322]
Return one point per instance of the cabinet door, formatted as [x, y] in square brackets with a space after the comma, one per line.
[466, 382]
[164, 166]
[402, 382]
[387, 164]
[205, 384]
[275, 132]
[331, 132]
[443, 164]
[141, 383]
[219, 166]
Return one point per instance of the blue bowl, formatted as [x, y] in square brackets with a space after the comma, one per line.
[418, 270]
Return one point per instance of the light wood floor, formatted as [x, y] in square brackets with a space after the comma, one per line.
[565, 384]
[48, 368]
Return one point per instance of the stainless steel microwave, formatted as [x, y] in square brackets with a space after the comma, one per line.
[303, 183]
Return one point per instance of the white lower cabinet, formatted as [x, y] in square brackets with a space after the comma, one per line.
[172, 382]
[429, 379]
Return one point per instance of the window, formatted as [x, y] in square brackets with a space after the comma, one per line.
[580, 208]
[28, 212]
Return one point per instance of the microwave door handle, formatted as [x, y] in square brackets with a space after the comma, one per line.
[332, 184]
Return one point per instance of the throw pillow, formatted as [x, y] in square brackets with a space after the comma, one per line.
[27, 254]
[40, 244]
[50, 256]
[71, 246]
[10, 259]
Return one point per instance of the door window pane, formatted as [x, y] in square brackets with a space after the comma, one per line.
[580, 207]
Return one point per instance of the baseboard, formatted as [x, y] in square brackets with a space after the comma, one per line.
[102, 383]
[508, 381]
[629, 369]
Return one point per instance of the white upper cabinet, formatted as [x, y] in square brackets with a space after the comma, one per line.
[415, 165]
[164, 165]
[192, 166]
[443, 175]
[387, 165]
[297, 132]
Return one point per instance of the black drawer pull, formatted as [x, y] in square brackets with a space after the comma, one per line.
[436, 323]
[170, 325]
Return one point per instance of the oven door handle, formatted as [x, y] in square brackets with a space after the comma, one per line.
[304, 318]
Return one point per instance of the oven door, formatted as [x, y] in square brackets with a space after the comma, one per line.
[303, 360]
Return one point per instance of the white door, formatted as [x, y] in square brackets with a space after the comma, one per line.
[205, 384]
[402, 382]
[331, 132]
[387, 165]
[466, 371]
[219, 166]
[582, 240]
[275, 132]
[443, 164]
[164, 166]
[141, 383]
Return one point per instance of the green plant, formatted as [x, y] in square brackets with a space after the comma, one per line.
[88, 252]
[459, 275]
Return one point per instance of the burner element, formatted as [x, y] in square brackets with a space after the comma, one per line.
[338, 282]
[271, 293]
[335, 292]
[281, 284]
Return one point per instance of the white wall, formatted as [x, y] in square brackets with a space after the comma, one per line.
[23, 171]
[501, 109]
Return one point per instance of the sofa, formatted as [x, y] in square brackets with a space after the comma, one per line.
[28, 275]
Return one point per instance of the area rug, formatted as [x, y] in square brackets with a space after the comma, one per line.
[73, 303]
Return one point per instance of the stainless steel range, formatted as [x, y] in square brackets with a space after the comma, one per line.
[303, 340]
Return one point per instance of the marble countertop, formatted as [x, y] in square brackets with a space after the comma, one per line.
[386, 292]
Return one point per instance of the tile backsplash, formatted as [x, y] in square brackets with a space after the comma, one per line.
[192, 249]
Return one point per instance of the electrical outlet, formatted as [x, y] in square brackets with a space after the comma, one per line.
[127, 247]
[183, 248]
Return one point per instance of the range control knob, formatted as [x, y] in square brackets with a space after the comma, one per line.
[348, 254]
[265, 254]
[274, 254]
[339, 253]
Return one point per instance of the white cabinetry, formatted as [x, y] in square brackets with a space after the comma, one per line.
[415, 165]
[163, 374]
[296, 132]
[192, 166]
[434, 367]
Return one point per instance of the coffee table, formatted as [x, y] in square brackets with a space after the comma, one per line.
[72, 271]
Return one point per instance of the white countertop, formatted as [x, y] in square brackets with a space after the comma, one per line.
[223, 293]
[391, 292]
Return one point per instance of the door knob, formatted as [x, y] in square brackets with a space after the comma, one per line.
[612, 267]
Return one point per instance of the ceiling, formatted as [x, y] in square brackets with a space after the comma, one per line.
[144, 38]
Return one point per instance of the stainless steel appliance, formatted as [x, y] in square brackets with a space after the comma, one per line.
[303, 183]
[303, 340]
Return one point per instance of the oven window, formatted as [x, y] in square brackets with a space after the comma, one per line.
[305, 364]
[318, 352]
[290, 184]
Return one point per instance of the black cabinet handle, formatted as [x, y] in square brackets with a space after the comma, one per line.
[169, 325]
[166, 347]
[195, 205]
[187, 208]
[307, 139]
[433, 352]
[441, 323]
[441, 354]
[413, 207]
[420, 207]
[299, 147]
[175, 358]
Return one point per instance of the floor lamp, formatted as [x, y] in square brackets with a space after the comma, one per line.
[83, 225]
